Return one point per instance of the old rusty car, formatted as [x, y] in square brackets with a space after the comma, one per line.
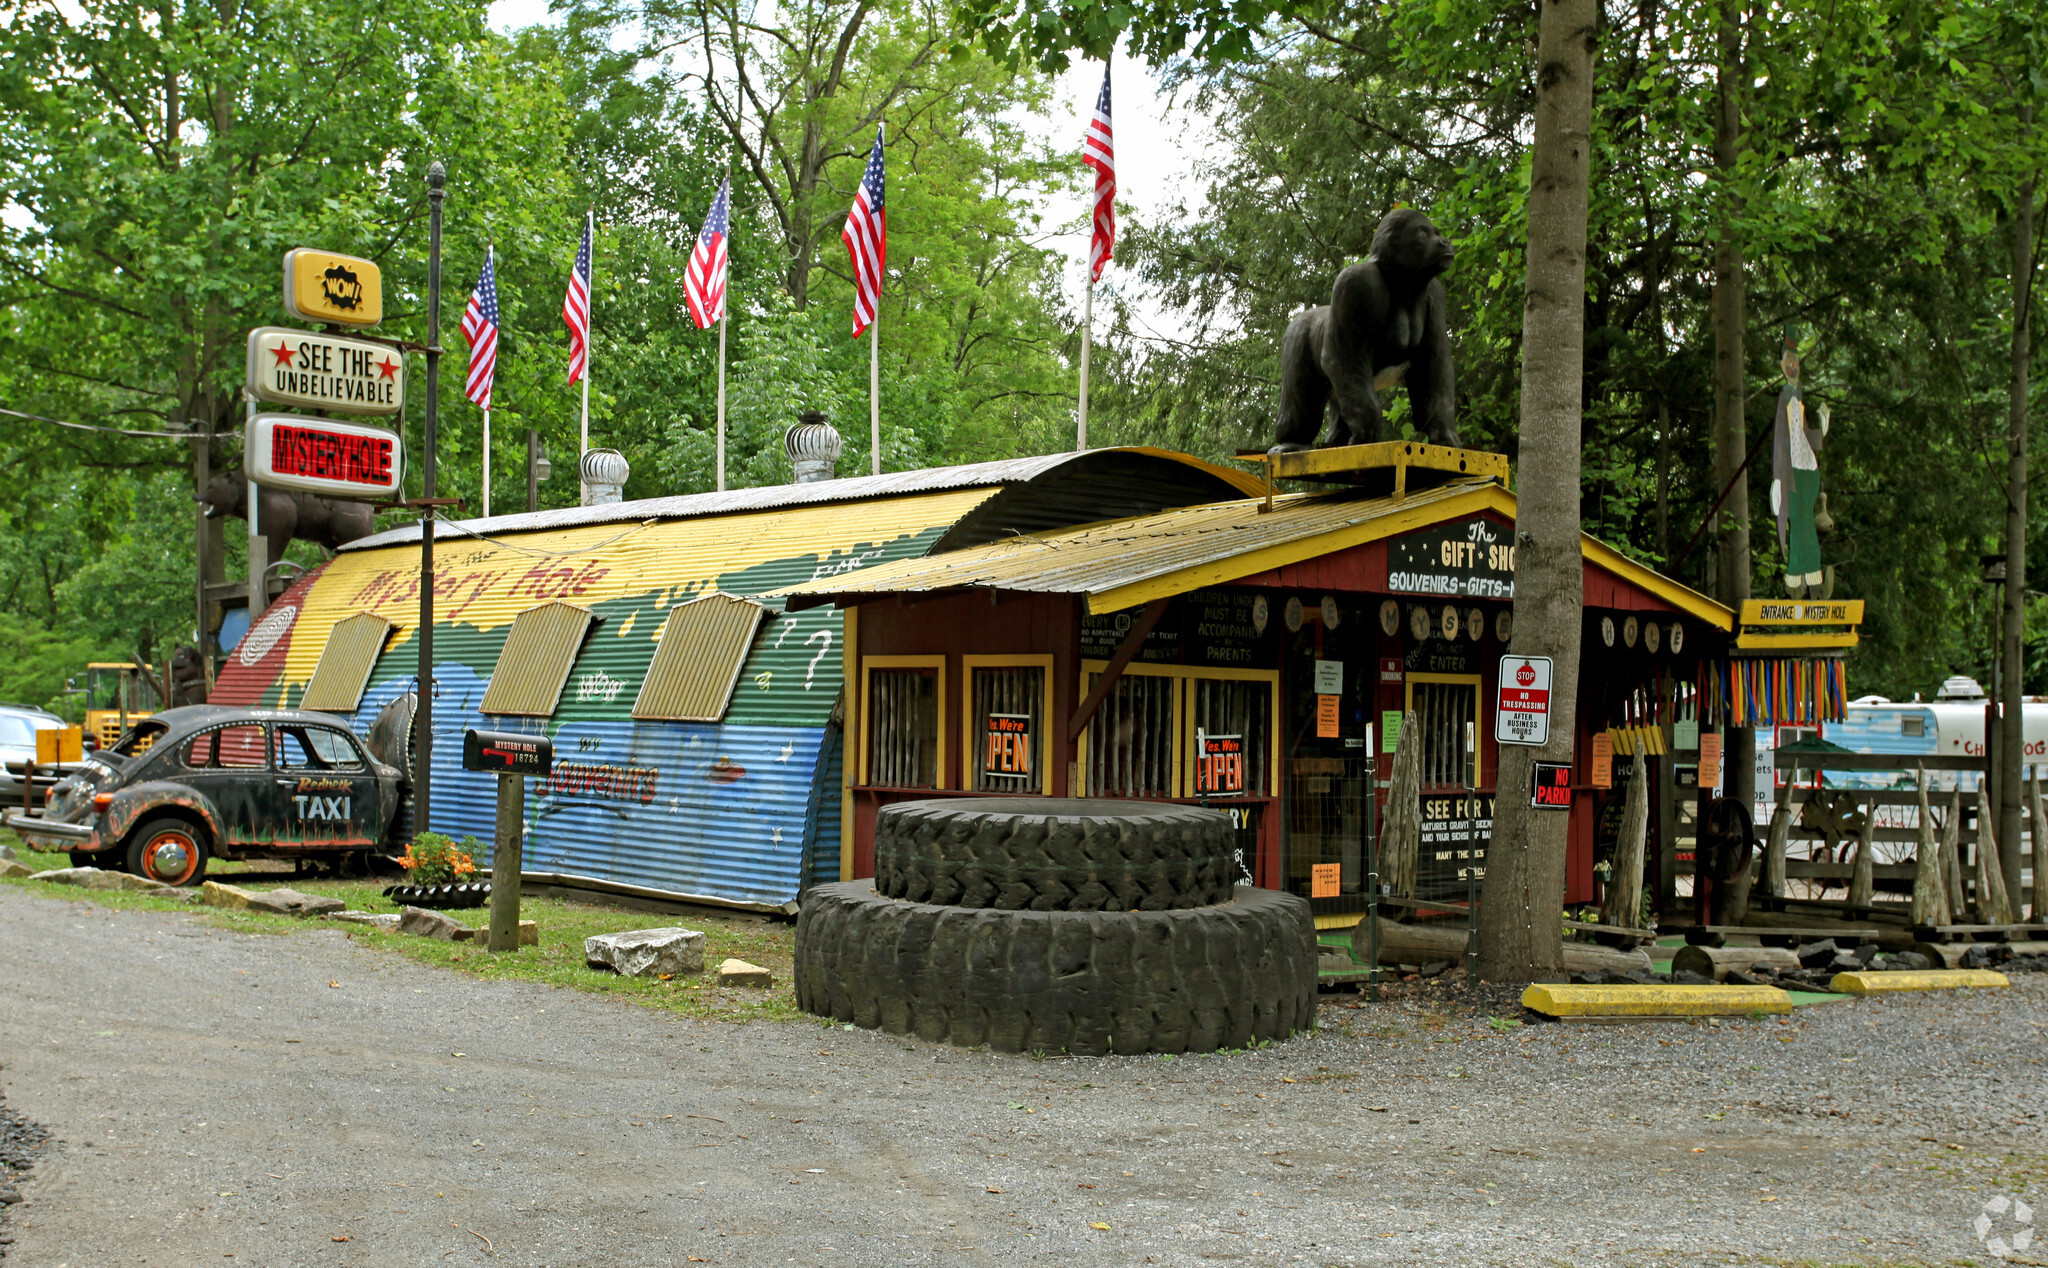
[204, 781]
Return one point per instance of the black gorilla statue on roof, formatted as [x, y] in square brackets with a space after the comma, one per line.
[1384, 324]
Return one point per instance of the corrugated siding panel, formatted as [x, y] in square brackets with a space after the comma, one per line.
[345, 663]
[535, 660]
[697, 659]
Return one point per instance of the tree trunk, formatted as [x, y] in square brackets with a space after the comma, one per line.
[1624, 906]
[1992, 908]
[1718, 962]
[2012, 740]
[1424, 944]
[1930, 896]
[1952, 856]
[1401, 837]
[1775, 844]
[1731, 397]
[1519, 934]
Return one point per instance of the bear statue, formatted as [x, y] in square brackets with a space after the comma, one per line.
[287, 514]
[1385, 323]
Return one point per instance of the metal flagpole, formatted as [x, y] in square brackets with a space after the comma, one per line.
[875, 385]
[487, 462]
[589, 338]
[1087, 335]
[721, 397]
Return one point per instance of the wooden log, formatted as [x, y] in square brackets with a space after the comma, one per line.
[1424, 944]
[1930, 896]
[1774, 847]
[2038, 834]
[1624, 905]
[1951, 853]
[1862, 881]
[1991, 905]
[1888, 937]
[1401, 835]
[1718, 962]
[1949, 955]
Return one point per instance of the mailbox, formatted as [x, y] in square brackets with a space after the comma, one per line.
[505, 753]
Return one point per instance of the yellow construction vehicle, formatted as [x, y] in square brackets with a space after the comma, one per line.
[110, 699]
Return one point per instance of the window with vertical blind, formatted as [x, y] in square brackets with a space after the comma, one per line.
[1446, 709]
[1007, 708]
[1240, 707]
[902, 746]
[1134, 738]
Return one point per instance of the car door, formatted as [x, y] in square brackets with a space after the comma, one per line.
[229, 765]
[327, 788]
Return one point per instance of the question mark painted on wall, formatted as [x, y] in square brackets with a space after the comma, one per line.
[823, 652]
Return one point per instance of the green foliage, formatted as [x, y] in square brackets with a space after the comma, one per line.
[433, 858]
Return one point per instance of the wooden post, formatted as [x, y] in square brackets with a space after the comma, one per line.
[505, 863]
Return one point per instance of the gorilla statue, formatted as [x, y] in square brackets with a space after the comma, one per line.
[288, 514]
[1384, 323]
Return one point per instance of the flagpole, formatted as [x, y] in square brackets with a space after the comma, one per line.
[1087, 335]
[721, 398]
[875, 386]
[589, 339]
[487, 462]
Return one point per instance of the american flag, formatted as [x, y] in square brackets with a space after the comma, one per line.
[867, 240]
[576, 309]
[704, 280]
[480, 327]
[1098, 150]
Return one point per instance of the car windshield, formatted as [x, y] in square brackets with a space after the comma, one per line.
[17, 731]
[140, 737]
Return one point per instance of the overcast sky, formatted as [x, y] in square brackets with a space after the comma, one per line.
[1153, 156]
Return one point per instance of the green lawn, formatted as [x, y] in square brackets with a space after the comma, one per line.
[558, 960]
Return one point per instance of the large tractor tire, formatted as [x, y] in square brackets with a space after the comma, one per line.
[1084, 982]
[1054, 854]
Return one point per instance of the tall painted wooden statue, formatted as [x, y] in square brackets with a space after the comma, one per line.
[1795, 484]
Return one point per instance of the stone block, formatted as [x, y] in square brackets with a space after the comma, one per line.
[385, 921]
[647, 952]
[741, 973]
[430, 924]
[229, 897]
[15, 867]
[291, 902]
[529, 934]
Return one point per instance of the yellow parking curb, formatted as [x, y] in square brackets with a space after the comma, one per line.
[1915, 980]
[1656, 1001]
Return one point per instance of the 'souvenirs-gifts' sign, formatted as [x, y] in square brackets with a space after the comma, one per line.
[1472, 559]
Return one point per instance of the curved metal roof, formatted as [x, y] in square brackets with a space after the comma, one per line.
[1087, 480]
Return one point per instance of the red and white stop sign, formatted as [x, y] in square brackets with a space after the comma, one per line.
[1523, 714]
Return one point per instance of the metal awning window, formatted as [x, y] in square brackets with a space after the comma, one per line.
[345, 664]
[534, 665]
[697, 664]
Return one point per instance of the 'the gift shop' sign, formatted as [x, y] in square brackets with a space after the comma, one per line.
[299, 367]
[323, 455]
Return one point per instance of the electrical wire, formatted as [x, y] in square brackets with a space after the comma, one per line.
[118, 431]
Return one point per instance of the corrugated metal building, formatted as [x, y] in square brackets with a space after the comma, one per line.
[662, 783]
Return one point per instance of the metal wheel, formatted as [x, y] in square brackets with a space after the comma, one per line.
[168, 851]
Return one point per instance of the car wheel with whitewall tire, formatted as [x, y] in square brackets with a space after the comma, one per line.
[1084, 982]
[168, 851]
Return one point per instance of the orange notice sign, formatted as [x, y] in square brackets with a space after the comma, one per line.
[1326, 717]
[1603, 760]
[1325, 879]
[1710, 759]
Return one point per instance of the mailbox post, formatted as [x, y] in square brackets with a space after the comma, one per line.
[512, 757]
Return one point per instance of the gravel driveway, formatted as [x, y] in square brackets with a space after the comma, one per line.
[219, 1097]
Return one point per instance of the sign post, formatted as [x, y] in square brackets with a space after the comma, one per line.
[1523, 715]
[513, 758]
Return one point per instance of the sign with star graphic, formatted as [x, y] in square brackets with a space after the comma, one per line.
[315, 371]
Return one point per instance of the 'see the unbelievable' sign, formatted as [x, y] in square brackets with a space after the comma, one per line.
[329, 286]
[1523, 716]
[298, 367]
[1551, 786]
[1219, 763]
[506, 753]
[322, 455]
[1006, 746]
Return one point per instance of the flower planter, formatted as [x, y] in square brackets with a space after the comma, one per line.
[440, 897]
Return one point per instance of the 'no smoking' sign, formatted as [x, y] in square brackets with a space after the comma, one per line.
[1524, 713]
